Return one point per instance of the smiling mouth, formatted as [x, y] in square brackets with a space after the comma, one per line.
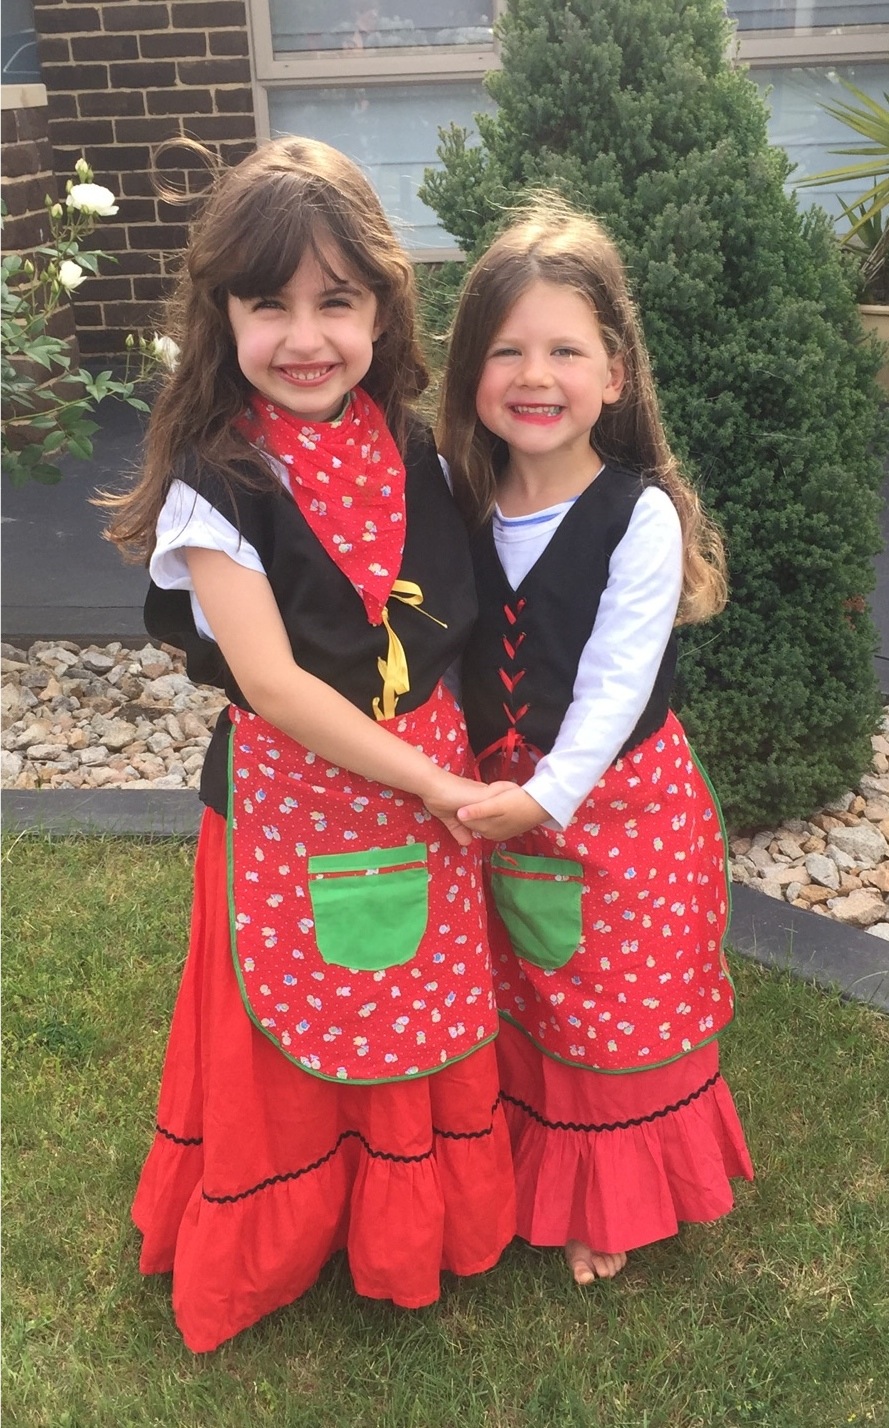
[307, 376]
[537, 411]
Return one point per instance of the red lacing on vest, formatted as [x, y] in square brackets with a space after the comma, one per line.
[511, 677]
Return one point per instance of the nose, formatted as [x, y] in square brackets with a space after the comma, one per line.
[304, 336]
[534, 371]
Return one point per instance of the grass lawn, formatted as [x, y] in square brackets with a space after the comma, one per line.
[777, 1316]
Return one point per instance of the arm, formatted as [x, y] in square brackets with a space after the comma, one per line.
[616, 671]
[241, 611]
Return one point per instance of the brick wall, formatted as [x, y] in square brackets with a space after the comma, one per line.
[121, 79]
[28, 178]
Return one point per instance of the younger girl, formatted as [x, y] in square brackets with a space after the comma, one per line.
[609, 879]
[330, 1079]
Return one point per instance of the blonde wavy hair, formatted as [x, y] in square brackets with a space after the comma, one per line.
[549, 241]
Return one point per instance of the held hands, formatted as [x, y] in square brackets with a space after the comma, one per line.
[497, 810]
[503, 811]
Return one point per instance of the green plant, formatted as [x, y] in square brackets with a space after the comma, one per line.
[868, 233]
[632, 110]
[46, 397]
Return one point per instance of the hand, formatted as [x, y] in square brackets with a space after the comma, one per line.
[503, 811]
[443, 801]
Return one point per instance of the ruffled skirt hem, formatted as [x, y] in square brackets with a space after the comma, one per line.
[618, 1161]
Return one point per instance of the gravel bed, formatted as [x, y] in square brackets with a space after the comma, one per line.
[113, 717]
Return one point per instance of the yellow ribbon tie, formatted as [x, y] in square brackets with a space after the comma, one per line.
[393, 669]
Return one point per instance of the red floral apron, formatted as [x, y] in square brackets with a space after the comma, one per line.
[607, 937]
[358, 923]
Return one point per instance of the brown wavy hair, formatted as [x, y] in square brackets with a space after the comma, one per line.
[289, 198]
[549, 241]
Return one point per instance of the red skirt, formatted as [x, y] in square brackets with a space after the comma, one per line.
[617, 1161]
[259, 1171]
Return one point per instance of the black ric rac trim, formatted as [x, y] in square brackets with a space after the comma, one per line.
[180, 1139]
[615, 1125]
[316, 1165]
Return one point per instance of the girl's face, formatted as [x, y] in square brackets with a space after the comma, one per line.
[547, 376]
[308, 345]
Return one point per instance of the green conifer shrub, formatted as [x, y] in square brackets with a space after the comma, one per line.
[632, 110]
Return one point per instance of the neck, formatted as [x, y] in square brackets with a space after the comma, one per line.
[530, 484]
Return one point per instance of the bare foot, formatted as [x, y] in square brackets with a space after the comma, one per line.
[587, 1265]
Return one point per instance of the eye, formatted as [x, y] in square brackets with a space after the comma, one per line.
[566, 352]
[336, 302]
[503, 351]
[266, 304]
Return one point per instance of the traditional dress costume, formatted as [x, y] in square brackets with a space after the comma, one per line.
[330, 1080]
[607, 922]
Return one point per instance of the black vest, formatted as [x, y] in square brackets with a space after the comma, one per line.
[323, 614]
[521, 662]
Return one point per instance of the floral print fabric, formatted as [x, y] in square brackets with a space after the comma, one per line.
[289, 806]
[648, 981]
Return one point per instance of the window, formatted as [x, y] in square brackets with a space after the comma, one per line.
[799, 51]
[377, 80]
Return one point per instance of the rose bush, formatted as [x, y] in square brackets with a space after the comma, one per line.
[47, 399]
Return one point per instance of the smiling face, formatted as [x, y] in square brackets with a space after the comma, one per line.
[546, 378]
[306, 346]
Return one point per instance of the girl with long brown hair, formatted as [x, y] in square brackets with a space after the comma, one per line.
[608, 888]
[330, 1080]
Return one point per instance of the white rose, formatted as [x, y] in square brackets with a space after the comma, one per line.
[71, 275]
[92, 198]
[166, 351]
[83, 171]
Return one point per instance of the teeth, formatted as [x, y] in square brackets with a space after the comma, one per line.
[304, 376]
[537, 411]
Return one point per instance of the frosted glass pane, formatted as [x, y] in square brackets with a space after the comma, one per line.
[799, 125]
[806, 14]
[391, 130]
[300, 25]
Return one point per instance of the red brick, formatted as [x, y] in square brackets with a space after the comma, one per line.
[159, 235]
[21, 232]
[180, 101]
[175, 45]
[74, 77]
[95, 131]
[105, 47]
[225, 14]
[54, 51]
[212, 128]
[66, 20]
[32, 123]
[62, 108]
[137, 17]
[138, 263]
[214, 71]
[228, 42]
[116, 158]
[143, 74]
[124, 314]
[152, 290]
[150, 130]
[115, 105]
[105, 288]
[234, 101]
[20, 159]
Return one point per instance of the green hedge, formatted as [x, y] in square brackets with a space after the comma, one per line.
[631, 109]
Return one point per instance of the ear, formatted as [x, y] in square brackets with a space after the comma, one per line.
[617, 376]
[379, 327]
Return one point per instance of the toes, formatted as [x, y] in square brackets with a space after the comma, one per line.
[587, 1265]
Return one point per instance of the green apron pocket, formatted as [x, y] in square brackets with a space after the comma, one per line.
[539, 902]
[370, 908]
